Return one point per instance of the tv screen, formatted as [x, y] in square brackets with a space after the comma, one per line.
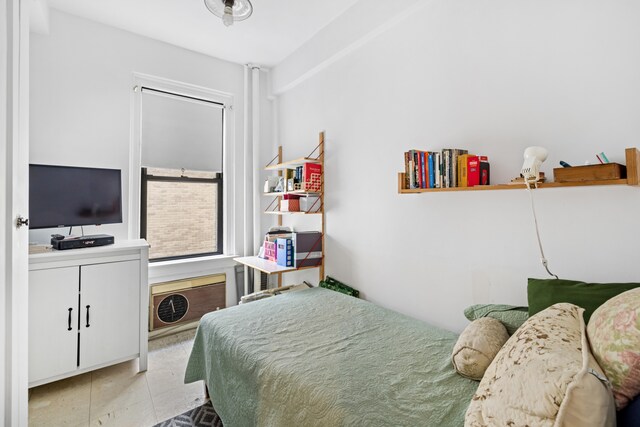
[64, 196]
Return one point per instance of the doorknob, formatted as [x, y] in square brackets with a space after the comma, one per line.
[20, 221]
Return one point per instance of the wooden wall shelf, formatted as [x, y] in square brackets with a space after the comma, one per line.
[633, 178]
[292, 213]
[292, 164]
[270, 267]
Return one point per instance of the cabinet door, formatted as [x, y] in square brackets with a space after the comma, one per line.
[53, 322]
[109, 312]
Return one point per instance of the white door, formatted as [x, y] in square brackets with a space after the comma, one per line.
[53, 322]
[109, 312]
[14, 150]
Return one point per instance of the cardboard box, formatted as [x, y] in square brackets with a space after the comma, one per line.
[307, 248]
[605, 171]
[291, 205]
[310, 204]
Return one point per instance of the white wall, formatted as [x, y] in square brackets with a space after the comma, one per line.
[82, 78]
[493, 76]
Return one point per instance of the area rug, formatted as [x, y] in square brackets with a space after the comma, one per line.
[202, 416]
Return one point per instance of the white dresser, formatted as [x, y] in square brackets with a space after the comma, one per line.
[88, 308]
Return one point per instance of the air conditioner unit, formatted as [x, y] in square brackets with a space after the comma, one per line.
[183, 302]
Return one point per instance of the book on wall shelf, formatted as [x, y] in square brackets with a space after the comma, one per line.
[459, 170]
[446, 168]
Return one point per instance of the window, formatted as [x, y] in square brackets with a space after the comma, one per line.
[181, 213]
[181, 178]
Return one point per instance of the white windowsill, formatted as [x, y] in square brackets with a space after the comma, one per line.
[164, 271]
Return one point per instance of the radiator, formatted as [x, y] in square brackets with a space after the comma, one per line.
[185, 301]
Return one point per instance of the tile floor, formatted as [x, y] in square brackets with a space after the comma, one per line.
[120, 396]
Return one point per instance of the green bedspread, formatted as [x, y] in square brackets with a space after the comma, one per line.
[321, 358]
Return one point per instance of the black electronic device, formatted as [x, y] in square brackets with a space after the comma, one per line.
[81, 242]
[65, 196]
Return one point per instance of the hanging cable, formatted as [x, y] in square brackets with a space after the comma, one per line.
[535, 220]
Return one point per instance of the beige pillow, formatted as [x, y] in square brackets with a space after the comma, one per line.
[477, 345]
[544, 376]
[614, 334]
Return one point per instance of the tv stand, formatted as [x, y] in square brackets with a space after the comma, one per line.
[87, 310]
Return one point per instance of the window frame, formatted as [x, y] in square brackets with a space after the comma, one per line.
[230, 168]
[218, 179]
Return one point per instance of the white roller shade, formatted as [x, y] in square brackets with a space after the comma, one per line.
[180, 132]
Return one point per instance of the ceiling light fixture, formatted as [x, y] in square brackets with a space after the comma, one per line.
[230, 10]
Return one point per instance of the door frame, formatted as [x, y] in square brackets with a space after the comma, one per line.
[14, 152]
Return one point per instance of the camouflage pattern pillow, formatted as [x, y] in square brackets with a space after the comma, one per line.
[477, 345]
[544, 376]
[614, 334]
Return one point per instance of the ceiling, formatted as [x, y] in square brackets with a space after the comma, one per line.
[274, 31]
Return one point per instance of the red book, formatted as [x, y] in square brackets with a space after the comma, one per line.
[473, 171]
[312, 176]
[484, 170]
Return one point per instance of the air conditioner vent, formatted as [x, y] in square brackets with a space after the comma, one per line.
[183, 302]
[173, 308]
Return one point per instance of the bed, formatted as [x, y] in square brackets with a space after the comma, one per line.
[320, 358]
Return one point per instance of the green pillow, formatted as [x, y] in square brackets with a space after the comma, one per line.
[510, 316]
[543, 293]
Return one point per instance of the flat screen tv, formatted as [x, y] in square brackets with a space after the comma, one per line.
[65, 196]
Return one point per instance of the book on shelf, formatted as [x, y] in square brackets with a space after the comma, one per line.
[407, 170]
[463, 180]
[438, 165]
[293, 249]
[412, 169]
[268, 251]
[269, 247]
[446, 168]
[455, 153]
[432, 175]
[298, 175]
[473, 171]
[311, 177]
[424, 170]
[416, 171]
[419, 169]
[284, 252]
[484, 170]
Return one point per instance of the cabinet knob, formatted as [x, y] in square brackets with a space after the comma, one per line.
[87, 325]
[69, 321]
